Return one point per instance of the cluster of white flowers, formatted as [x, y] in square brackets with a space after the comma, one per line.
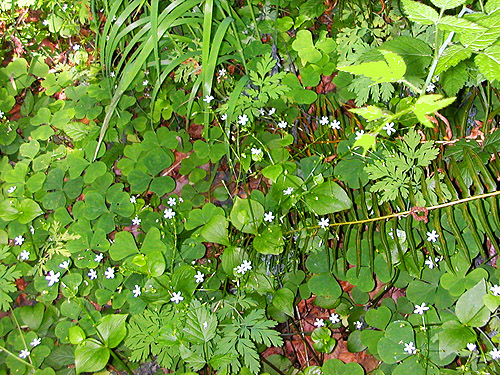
[245, 266]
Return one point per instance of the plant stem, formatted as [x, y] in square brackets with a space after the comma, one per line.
[17, 357]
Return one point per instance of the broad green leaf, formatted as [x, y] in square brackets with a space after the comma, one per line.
[454, 337]
[325, 285]
[152, 242]
[246, 214]
[378, 318]
[391, 346]
[470, 308]
[123, 247]
[323, 342]
[28, 211]
[367, 141]
[492, 6]
[91, 357]
[215, 230]
[76, 335]
[458, 25]
[371, 112]
[451, 57]
[488, 62]
[478, 40]
[304, 45]
[32, 316]
[269, 240]
[391, 70]
[447, 4]
[327, 198]
[201, 324]
[337, 367]
[420, 13]
[113, 329]
[428, 104]
[454, 79]
[283, 301]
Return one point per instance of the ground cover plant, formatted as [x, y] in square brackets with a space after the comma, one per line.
[249, 187]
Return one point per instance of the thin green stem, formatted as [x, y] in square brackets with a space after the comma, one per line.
[2, 348]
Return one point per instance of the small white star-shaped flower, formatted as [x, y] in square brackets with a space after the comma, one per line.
[495, 353]
[137, 291]
[92, 274]
[247, 265]
[410, 348]
[171, 202]
[199, 277]
[324, 222]
[112, 74]
[359, 134]
[430, 88]
[109, 273]
[319, 323]
[45, 22]
[268, 216]
[52, 277]
[288, 191]
[262, 112]
[168, 213]
[389, 128]
[243, 119]
[358, 324]
[11, 189]
[324, 120]
[208, 98]
[132, 199]
[335, 125]
[432, 236]
[32, 230]
[471, 346]
[36, 342]
[98, 257]
[24, 255]
[421, 309]
[223, 117]
[2, 113]
[429, 262]
[176, 297]
[19, 240]
[136, 221]
[76, 47]
[495, 289]
[64, 264]
[256, 151]
[222, 72]
[271, 111]
[24, 353]
[145, 82]
[282, 124]
[334, 318]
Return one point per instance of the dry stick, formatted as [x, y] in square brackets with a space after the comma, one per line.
[404, 213]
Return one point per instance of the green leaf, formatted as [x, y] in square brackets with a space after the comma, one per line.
[269, 240]
[325, 285]
[492, 6]
[113, 329]
[28, 211]
[201, 324]
[391, 70]
[482, 39]
[215, 230]
[454, 79]
[91, 357]
[327, 198]
[454, 337]
[391, 346]
[76, 335]
[303, 44]
[488, 62]
[123, 247]
[451, 57]
[420, 13]
[337, 367]
[378, 318]
[32, 316]
[283, 301]
[470, 308]
[371, 112]
[447, 4]
[246, 214]
[428, 104]
[458, 25]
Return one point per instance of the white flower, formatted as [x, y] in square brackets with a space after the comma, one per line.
[145, 82]
[399, 233]
[1, 114]
[112, 74]
[262, 112]
[324, 120]
[32, 230]
[319, 323]
[471, 346]
[208, 98]
[268, 216]
[495, 289]
[359, 134]
[430, 88]
[137, 291]
[271, 111]
[421, 309]
[52, 277]
[223, 117]
[45, 22]
[247, 265]
[430, 263]
[282, 124]
[76, 47]
[171, 202]
[389, 128]
[176, 297]
[410, 348]
[324, 223]
[335, 124]
[495, 353]
[136, 221]
[243, 119]
[64, 264]
[36, 342]
[65, 7]
[98, 257]
[19, 240]
[11, 189]
[432, 236]
[132, 199]
[24, 353]
[334, 318]
[168, 213]
[109, 273]
[222, 72]
[199, 277]
[24, 255]
[358, 324]
[256, 151]
[92, 275]
[288, 191]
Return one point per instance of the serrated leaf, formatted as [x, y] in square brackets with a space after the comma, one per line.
[458, 25]
[482, 39]
[390, 70]
[447, 4]
[451, 57]
[492, 6]
[428, 104]
[371, 112]
[420, 13]
[454, 79]
[201, 324]
[488, 62]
